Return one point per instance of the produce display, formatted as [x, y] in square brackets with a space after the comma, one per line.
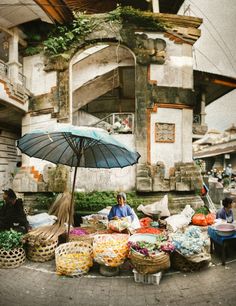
[73, 258]
[10, 240]
[119, 225]
[78, 231]
[110, 250]
[161, 244]
[189, 243]
[148, 230]
[145, 222]
[12, 253]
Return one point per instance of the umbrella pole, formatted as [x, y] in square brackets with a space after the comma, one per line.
[71, 204]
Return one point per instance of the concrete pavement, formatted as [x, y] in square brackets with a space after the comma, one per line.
[36, 284]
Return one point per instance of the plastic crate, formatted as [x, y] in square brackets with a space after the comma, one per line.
[151, 279]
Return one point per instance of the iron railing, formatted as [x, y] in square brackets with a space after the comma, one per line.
[119, 123]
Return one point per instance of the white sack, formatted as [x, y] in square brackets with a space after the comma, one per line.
[156, 207]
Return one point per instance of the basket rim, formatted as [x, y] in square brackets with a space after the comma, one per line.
[148, 256]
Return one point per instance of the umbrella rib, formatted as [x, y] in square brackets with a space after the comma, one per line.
[77, 150]
[112, 155]
[97, 142]
[29, 147]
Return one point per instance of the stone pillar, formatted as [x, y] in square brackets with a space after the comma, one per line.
[13, 64]
[203, 105]
[155, 6]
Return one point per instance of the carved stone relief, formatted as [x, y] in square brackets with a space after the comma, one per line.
[150, 50]
[165, 132]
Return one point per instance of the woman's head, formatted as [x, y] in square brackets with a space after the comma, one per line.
[9, 195]
[121, 198]
[227, 202]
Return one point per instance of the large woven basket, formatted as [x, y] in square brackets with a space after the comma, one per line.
[181, 263]
[43, 251]
[74, 258]
[150, 264]
[12, 258]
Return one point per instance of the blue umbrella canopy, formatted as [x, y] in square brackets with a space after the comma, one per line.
[78, 147]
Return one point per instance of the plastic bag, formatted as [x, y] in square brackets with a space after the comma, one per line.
[156, 207]
[210, 219]
[181, 220]
[199, 219]
[41, 220]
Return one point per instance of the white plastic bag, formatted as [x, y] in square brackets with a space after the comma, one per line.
[41, 220]
[156, 207]
[181, 220]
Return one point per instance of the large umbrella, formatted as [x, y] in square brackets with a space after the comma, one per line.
[77, 147]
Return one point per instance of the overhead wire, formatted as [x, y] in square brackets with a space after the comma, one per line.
[206, 57]
[215, 29]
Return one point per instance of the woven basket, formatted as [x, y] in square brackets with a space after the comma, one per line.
[74, 258]
[150, 264]
[12, 258]
[181, 263]
[42, 252]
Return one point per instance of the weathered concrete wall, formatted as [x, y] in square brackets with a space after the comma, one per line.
[38, 81]
[109, 179]
[177, 70]
[180, 149]
[8, 158]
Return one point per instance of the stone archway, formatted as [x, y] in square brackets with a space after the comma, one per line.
[102, 82]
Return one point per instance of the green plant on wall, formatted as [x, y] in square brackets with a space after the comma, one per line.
[62, 38]
[136, 17]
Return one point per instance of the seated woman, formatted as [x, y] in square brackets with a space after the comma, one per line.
[12, 213]
[226, 212]
[121, 209]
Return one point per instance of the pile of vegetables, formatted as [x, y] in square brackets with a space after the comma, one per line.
[148, 230]
[78, 231]
[189, 243]
[162, 244]
[10, 240]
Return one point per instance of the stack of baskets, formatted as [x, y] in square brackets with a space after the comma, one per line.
[74, 258]
[150, 264]
[12, 258]
[41, 250]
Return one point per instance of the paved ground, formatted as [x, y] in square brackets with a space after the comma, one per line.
[37, 284]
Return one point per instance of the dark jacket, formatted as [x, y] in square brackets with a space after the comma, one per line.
[13, 216]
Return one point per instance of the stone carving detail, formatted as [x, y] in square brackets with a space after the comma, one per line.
[199, 129]
[165, 132]
[150, 50]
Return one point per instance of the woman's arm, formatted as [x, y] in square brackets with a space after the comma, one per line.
[111, 214]
[130, 212]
